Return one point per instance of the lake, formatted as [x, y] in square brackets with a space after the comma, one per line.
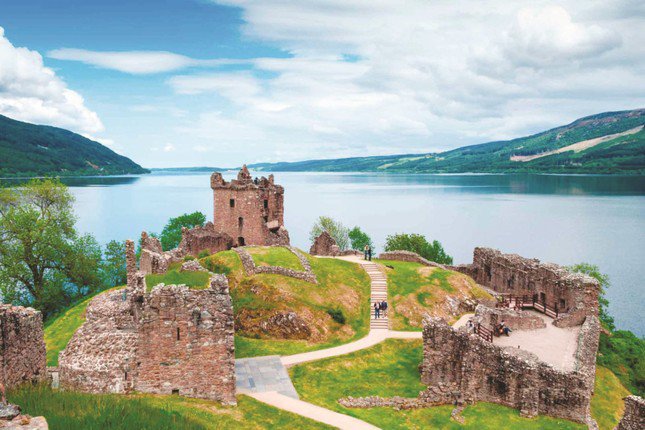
[556, 218]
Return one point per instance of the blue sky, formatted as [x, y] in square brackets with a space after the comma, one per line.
[198, 82]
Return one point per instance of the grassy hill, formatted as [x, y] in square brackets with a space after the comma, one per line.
[38, 150]
[611, 142]
[336, 310]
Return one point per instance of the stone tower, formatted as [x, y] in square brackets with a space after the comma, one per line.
[249, 210]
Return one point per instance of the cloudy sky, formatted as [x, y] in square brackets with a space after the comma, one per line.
[218, 83]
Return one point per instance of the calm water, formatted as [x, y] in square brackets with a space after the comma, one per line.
[562, 219]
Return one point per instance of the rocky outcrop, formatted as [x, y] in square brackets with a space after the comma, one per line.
[12, 419]
[22, 346]
[634, 415]
[324, 245]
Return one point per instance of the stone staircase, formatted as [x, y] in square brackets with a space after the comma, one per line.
[379, 293]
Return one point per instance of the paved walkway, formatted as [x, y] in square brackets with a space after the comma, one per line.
[314, 412]
[262, 374]
[267, 380]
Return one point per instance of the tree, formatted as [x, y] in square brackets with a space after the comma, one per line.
[603, 279]
[113, 265]
[338, 231]
[44, 263]
[418, 243]
[359, 239]
[171, 233]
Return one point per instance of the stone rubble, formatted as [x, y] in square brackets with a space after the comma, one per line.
[634, 415]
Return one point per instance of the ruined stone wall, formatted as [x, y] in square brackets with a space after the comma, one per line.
[408, 256]
[634, 415]
[171, 340]
[324, 245]
[22, 346]
[516, 320]
[307, 274]
[575, 295]
[460, 367]
[185, 342]
[206, 238]
[251, 212]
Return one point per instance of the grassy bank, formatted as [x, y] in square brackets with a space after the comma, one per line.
[391, 369]
[264, 256]
[415, 289]
[78, 411]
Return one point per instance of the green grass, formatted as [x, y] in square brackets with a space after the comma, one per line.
[58, 331]
[607, 403]
[195, 280]
[391, 368]
[414, 289]
[274, 256]
[624, 354]
[78, 411]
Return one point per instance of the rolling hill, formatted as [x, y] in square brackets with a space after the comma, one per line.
[38, 150]
[611, 142]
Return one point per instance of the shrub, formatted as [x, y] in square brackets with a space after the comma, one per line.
[359, 239]
[338, 231]
[418, 243]
[337, 315]
[171, 234]
[203, 254]
[188, 258]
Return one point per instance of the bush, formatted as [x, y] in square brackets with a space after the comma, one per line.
[338, 231]
[418, 243]
[203, 254]
[189, 258]
[171, 234]
[359, 239]
[337, 315]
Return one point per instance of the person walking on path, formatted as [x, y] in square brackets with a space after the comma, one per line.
[365, 251]
[369, 253]
[384, 308]
[377, 310]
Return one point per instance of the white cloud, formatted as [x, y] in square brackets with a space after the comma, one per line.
[231, 85]
[169, 147]
[31, 92]
[135, 62]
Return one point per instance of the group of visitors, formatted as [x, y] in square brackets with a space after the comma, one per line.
[380, 308]
[367, 252]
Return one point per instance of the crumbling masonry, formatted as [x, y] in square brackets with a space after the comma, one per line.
[250, 211]
[172, 340]
[22, 346]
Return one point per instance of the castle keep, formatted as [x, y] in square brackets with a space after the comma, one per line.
[250, 211]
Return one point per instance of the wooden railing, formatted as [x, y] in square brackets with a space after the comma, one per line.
[484, 332]
[526, 302]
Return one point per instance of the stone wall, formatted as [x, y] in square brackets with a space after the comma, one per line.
[515, 319]
[206, 238]
[574, 295]
[409, 256]
[250, 211]
[171, 340]
[634, 415]
[22, 346]
[251, 268]
[459, 367]
[324, 245]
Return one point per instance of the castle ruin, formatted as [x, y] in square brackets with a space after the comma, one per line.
[171, 340]
[251, 211]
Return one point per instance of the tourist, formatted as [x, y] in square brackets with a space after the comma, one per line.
[504, 328]
[471, 326]
[377, 310]
[369, 253]
[365, 251]
[384, 308]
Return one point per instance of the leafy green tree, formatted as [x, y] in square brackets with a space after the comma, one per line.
[338, 231]
[113, 264]
[359, 239]
[171, 234]
[44, 263]
[418, 243]
[603, 279]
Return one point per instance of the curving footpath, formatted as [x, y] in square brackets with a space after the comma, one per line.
[263, 378]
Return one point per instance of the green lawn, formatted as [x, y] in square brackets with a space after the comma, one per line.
[391, 368]
[607, 403]
[196, 280]
[414, 289]
[78, 411]
[274, 256]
